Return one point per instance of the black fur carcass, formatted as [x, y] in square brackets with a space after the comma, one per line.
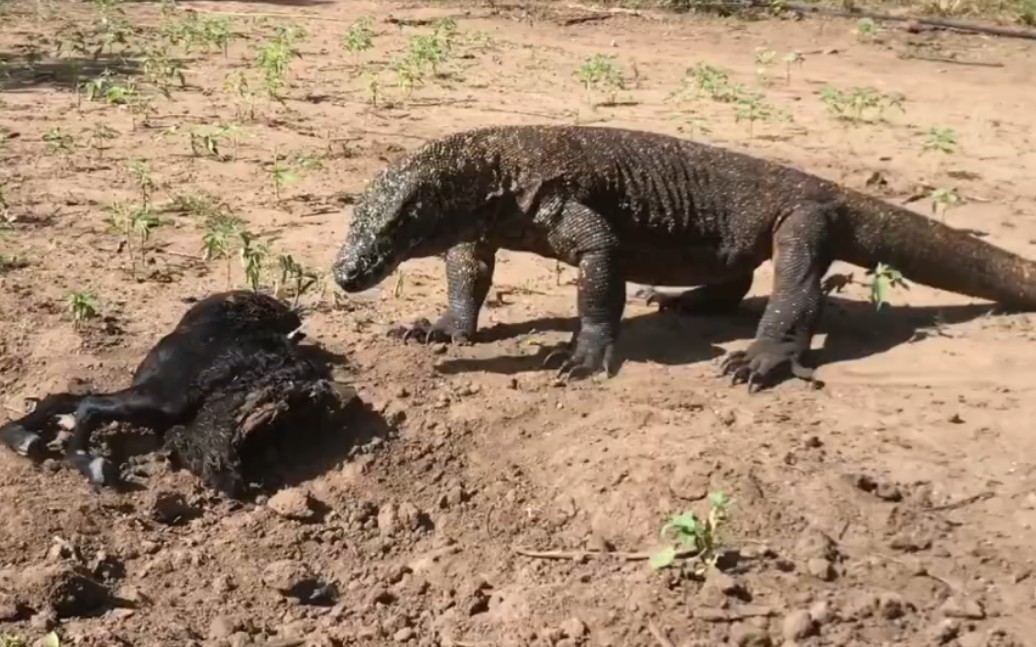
[228, 389]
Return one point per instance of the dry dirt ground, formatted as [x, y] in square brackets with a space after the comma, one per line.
[895, 506]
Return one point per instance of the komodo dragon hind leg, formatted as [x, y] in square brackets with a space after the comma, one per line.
[801, 256]
[469, 274]
[707, 300]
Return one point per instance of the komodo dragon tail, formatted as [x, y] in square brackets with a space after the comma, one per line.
[931, 253]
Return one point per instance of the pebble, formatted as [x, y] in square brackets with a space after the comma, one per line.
[963, 608]
[172, 508]
[573, 628]
[816, 544]
[293, 503]
[745, 635]
[945, 631]
[798, 625]
[821, 612]
[222, 627]
[891, 606]
[821, 568]
[403, 635]
[388, 519]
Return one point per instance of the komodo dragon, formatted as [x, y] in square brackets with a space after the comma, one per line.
[625, 205]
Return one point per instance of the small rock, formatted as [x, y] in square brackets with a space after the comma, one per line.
[798, 625]
[222, 627]
[44, 620]
[223, 584]
[240, 639]
[292, 578]
[388, 519]
[821, 612]
[863, 605]
[966, 609]
[8, 608]
[910, 542]
[745, 635]
[821, 568]
[945, 631]
[403, 635]
[67, 588]
[816, 544]
[573, 628]
[293, 503]
[891, 606]
[172, 508]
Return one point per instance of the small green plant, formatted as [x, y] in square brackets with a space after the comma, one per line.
[253, 257]
[99, 135]
[81, 306]
[162, 70]
[714, 82]
[1027, 12]
[867, 29]
[293, 274]
[207, 141]
[275, 57]
[944, 199]
[600, 71]
[237, 84]
[281, 175]
[217, 243]
[791, 58]
[134, 224]
[359, 38]
[943, 140]
[885, 278]
[59, 142]
[752, 107]
[373, 88]
[694, 535]
[201, 205]
[105, 88]
[859, 104]
[764, 58]
[11, 640]
[140, 171]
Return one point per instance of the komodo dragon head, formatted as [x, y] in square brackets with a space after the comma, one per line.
[416, 207]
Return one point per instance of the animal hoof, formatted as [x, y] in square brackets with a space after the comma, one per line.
[23, 442]
[99, 471]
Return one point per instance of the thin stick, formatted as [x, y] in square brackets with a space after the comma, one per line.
[943, 59]
[579, 554]
[659, 637]
[981, 496]
[180, 254]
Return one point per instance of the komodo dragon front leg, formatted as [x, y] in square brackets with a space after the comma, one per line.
[582, 235]
[802, 254]
[469, 275]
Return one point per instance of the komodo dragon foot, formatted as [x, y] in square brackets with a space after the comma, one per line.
[445, 330]
[757, 365]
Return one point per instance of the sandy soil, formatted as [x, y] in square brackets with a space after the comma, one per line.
[893, 507]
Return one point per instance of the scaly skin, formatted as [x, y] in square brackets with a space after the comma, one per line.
[624, 205]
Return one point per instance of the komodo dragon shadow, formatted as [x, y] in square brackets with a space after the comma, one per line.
[230, 392]
[854, 330]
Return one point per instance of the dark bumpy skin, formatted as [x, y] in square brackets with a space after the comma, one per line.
[235, 337]
[623, 205]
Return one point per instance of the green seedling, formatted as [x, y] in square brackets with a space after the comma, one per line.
[253, 257]
[714, 82]
[867, 29]
[694, 536]
[944, 199]
[373, 88]
[427, 52]
[5, 206]
[201, 205]
[140, 171]
[274, 60]
[140, 107]
[293, 274]
[791, 58]
[99, 135]
[162, 70]
[104, 88]
[1027, 12]
[59, 142]
[751, 107]
[218, 240]
[943, 140]
[359, 38]
[280, 175]
[859, 104]
[81, 306]
[764, 58]
[134, 225]
[409, 75]
[600, 71]
[885, 278]
[237, 84]
[207, 141]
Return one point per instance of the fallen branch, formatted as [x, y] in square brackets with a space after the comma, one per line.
[577, 555]
[981, 496]
[944, 23]
[953, 61]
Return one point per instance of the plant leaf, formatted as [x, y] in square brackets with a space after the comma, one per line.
[663, 558]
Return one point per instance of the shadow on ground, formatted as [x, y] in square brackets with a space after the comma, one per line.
[854, 330]
[63, 73]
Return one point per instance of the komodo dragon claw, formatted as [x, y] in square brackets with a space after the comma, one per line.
[756, 365]
[442, 331]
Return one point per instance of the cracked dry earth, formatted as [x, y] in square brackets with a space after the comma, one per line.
[895, 506]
